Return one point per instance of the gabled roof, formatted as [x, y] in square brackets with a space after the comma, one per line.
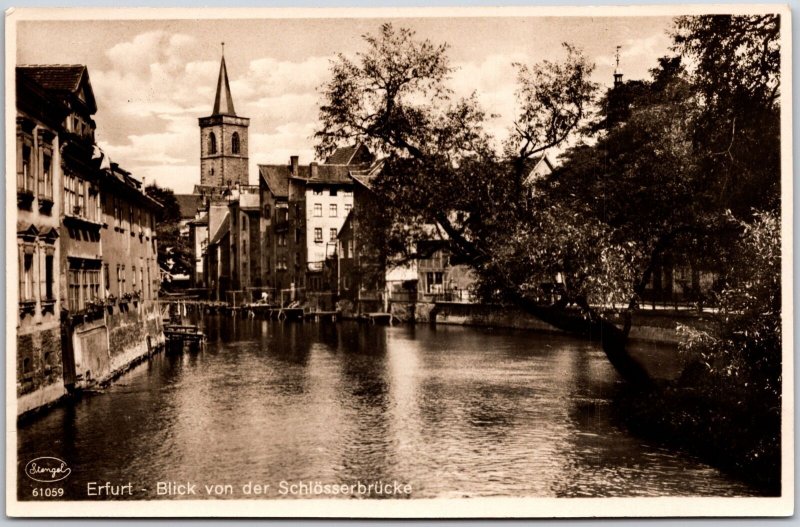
[538, 167]
[189, 204]
[367, 176]
[350, 155]
[202, 220]
[62, 79]
[224, 228]
[329, 174]
[276, 178]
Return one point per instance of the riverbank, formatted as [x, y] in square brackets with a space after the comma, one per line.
[651, 326]
[96, 350]
[735, 434]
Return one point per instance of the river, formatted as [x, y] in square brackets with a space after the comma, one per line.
[451, 411]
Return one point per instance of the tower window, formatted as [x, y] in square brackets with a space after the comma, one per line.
[212, 143]
[235, 143]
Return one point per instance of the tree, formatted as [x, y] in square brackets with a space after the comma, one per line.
[737, 75]
[603, 220]
[174, 254]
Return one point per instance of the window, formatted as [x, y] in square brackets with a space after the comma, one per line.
[244, 222]
[121, 279]
[46, 178]
[317, 210]
[334, 192]
[235, 143]
[318, 192]
[133, 278]
[434, 281]
[297, 259]
[266, 210]
[334, 209]
[130, 218]
[333, 235]
[347, 207]
[318, 234]
[91, 285]
[26, 278]
[348, 193]
[117, 214]
[281, 240]
[212, 146]
[25, 155]
[141, 278]
[298, 235]
[281, 266]
[74, 283]
[69, 193]
[106, 279]
[27, 168]
[49, 277]
[80, 204]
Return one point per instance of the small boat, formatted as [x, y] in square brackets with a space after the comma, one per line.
[180, 336]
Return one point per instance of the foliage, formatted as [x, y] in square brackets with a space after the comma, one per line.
[745, 356]
[736, 72]
[669, 167]
[735, 373]
[440, 169]
[174, 253]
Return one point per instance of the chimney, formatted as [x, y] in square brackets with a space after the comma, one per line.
[294, 163]
[314, 167]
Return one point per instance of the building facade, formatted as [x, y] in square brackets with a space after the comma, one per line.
[38, 344]
[66, 334]
[304, 208]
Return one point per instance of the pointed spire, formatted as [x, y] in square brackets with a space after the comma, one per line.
[223, 103]
[617, 74]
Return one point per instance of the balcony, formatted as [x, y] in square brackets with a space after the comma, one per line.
[45, 204]
[24, 198]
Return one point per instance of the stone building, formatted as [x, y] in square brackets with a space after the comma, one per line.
[65, 334]
[223, 140]
[131, 280]
[304, 207]
[38, 341]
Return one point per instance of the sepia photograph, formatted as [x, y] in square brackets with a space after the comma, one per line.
[428, 262]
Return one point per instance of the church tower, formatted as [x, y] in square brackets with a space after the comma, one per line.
[223, 139]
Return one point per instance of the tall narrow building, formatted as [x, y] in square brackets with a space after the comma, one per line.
[223, 140]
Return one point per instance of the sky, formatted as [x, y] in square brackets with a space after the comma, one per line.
[153, 79]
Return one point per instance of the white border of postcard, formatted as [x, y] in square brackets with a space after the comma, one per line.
[416, 508]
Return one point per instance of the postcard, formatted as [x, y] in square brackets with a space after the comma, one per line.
[399, 262]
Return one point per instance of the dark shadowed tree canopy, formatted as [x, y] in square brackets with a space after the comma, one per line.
[174, 253]
[669, 165]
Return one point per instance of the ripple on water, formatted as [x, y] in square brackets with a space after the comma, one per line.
[453, 411]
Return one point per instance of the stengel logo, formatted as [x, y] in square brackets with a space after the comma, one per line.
[47, 469]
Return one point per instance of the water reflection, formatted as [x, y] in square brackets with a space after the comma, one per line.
[453, 411]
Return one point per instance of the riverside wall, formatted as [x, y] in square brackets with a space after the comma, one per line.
[651, 326]
[109, 346]
[102, 347]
